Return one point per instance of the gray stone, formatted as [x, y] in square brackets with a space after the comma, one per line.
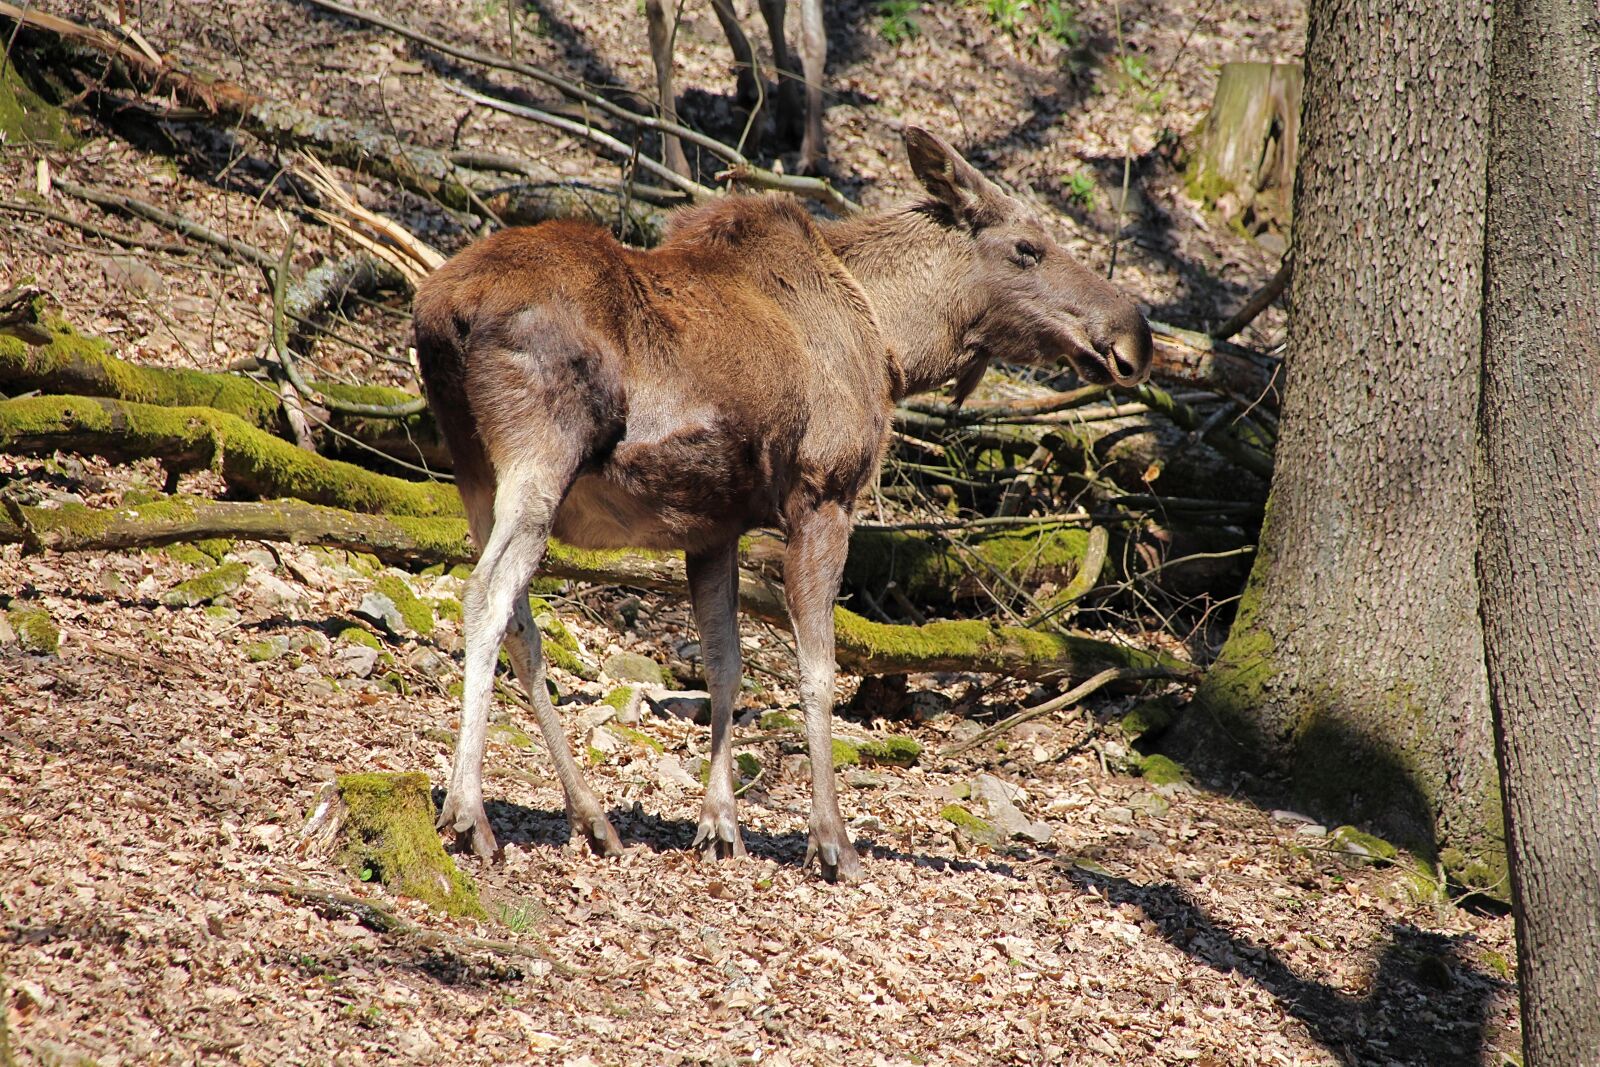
[355, 661]
[632, 667]
[1152, 804]
[381, 612]
[1000, 798]
[863, 780]
[430, 663]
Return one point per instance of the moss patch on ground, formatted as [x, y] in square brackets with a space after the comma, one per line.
[204, 588]
[390, 838]
[1160, 770]
[895, 750]
[355, 635]
[1359, 843]
[36, 631]
[416, 614]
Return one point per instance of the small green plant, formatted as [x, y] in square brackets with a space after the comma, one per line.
[1137, 70]
[521, 916]
[1061, 24]
[1007, 14]
[1079, 187]
[896, 20]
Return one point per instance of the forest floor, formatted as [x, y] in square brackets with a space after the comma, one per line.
[154, 775]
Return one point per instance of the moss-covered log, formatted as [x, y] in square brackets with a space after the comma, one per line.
[194, 438]
[80, 365]
[864, 646]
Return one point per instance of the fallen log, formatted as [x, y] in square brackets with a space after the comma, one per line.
[866, 647]
[78, 365]
[199, 438]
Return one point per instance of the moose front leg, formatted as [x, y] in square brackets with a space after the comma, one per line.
[819, 538]
[714, 590]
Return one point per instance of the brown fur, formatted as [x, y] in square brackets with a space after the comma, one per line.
[740, 375]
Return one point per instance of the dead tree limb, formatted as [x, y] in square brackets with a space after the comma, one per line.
[1258, 302]
[1070, 697]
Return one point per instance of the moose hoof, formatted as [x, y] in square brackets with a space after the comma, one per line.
[596, 829]
[835, 856]
[718, 837]
[471, 826]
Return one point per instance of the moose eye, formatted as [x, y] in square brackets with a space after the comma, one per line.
[1026, 254]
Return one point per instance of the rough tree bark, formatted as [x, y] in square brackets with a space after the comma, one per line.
[1539, 562]
[1355, 665]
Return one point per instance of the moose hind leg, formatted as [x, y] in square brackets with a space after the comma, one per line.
[584, 814]
[522, 516]
[813, 567]
[714, 589]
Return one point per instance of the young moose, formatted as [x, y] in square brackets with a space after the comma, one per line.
[740, 375]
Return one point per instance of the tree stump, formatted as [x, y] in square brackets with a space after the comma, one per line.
[1242, 156]
[379, 827]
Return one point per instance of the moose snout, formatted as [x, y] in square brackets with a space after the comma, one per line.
[1129, 352]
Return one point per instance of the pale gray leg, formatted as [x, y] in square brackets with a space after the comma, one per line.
[813, 567]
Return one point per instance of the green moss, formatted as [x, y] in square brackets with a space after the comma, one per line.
[183, 552]
[1497, 964]
[560, 646]
[215, 547]
[391, 838]
[511, 735]
[1360, 843]
[202, 437]
[219, 611]
[896, 750]
[462, 571]
[415, 612]
[448, 607]
[1148, 718]
[929, 569]
[962, 819]
[204, 588]
[36, 631]
[395, 682]
[1159, 770]
[355, 635]
[619, 698]
[780, 720]
[267, 649]
[845, 754]
[25, 117]
[637, 737]
[746, 766]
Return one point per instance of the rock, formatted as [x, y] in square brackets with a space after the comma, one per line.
[1311, 829]
[429, 663]
[690, 704]
[670, 771]
[33, 629]
[863, 780]
[355, 661]
[274, 591]
[999, 798]
[632, 667]
[204, 588]
[381, 612]
[1282, 815]
[1365, 845]
[269, 648]
[624, 702]
[1119, 815]
[258, 556]
[1152, 804]
[969, 824]
[895, 750]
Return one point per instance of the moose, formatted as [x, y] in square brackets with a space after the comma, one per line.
[813, 58]
[741, 374]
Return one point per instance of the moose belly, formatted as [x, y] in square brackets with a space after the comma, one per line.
[661, 498]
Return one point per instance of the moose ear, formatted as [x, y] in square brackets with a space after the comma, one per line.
[948, 178]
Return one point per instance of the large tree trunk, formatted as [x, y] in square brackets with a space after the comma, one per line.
[1355, 665]
[1539, 565]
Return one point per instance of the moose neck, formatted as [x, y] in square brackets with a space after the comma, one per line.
[918, 275]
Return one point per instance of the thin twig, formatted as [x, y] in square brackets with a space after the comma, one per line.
[1071, 696]
[1259, 302]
